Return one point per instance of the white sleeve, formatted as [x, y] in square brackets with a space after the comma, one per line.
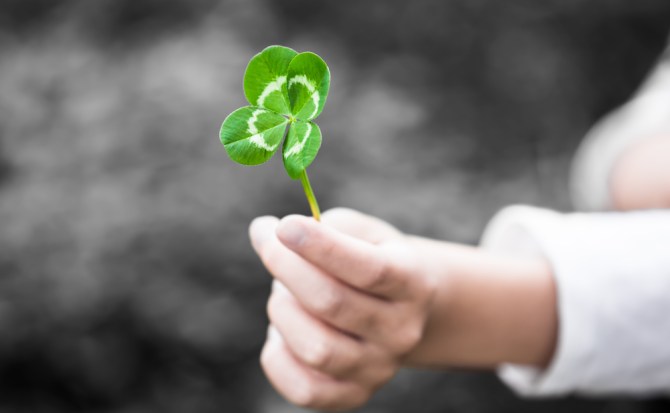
[612, 272]
[646, 116]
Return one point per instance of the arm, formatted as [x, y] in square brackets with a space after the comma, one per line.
[624, 161]
[488, 309]
[354, 304]
[640, 178]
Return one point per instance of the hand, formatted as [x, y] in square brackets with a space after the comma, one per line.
[349, 303]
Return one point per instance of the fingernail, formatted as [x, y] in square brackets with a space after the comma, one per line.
[291, 232]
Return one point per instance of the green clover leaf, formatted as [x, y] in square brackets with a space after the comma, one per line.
[300, 148]
[265, 79]
[252, 135]
[308, 83]
[287, 91]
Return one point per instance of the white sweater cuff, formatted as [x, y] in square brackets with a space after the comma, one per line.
[612, 272]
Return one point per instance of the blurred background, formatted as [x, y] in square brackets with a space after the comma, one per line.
[127, 283]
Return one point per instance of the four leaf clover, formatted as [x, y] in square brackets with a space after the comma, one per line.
[286, 91]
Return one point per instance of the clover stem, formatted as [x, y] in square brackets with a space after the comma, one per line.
[314, 206]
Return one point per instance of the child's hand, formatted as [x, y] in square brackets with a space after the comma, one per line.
[349, 303]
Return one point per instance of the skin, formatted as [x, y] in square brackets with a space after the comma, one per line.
[354, 299]
[641, 176]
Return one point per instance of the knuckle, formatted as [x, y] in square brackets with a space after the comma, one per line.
[329, 302]
[307, 395]
[408, 338]
[318, 353]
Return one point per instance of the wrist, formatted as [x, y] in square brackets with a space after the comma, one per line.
[640, 177]
[488, 309]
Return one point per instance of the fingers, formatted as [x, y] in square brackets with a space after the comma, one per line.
[323, 348]
[304, 386]
[311, 341]
[374, 269]
[314, 343]
[359, 225]
[320, 294]
[261, 231]
[337, 328]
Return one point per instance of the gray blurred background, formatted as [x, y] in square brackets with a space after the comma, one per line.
[127, 283]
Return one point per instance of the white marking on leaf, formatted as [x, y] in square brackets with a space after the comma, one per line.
[298, 147]
[258, 139]
[251, 122]
[302, 80]
[274, 86]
